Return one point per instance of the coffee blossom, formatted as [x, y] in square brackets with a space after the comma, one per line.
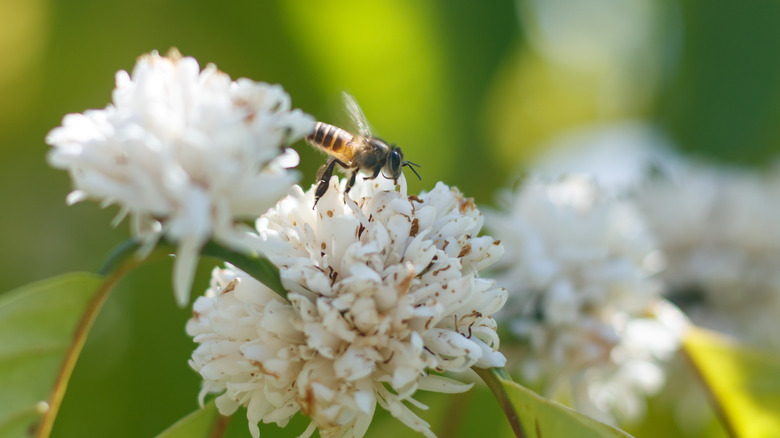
[384, 294]
[585, 314]
[719, 230]
[185, 153]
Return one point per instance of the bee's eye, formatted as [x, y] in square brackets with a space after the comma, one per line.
[395, 162]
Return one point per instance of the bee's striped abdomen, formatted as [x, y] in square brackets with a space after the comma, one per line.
[331, 138]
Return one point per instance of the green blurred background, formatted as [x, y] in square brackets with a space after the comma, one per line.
[470, 90]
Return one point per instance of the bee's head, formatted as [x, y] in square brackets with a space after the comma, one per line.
[396, 163]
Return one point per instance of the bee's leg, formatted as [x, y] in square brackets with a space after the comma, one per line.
[324, 179]
[351, 181]
[377, 169]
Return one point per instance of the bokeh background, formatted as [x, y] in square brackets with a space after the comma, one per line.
[472, 91]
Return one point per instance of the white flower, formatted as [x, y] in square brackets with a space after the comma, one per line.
[381, 291]
[718, 228]
[585, 313]
[616, 155]
[185, 152]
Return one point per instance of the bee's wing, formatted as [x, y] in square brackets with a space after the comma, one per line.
[356, 115]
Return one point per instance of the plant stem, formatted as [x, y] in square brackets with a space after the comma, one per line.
[492, 377]
[117, 267]
[219, 428]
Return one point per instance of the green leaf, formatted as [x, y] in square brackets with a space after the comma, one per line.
[38, 323]
[534, 416]
[259, 267]
[205, 422]
[465, 415]
[744, 382]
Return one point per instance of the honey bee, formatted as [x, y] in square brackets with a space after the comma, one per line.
[355, 153]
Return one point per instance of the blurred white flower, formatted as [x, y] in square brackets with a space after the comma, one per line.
[585, 314]
[382, 291]
[718, 228]
[618, 156]
[186, 153]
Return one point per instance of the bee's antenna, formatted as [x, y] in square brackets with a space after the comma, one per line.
[410, 164]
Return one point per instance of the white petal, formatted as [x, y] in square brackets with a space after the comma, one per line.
[443, 384]
[184, 268]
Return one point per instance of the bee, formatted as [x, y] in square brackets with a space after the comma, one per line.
[356, 153]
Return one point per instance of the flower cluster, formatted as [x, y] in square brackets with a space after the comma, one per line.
[715, 225]
[719, 231]
[186, 153]
[382, 291]
[585, 313]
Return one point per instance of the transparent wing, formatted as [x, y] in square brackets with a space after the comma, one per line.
[356, 115]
